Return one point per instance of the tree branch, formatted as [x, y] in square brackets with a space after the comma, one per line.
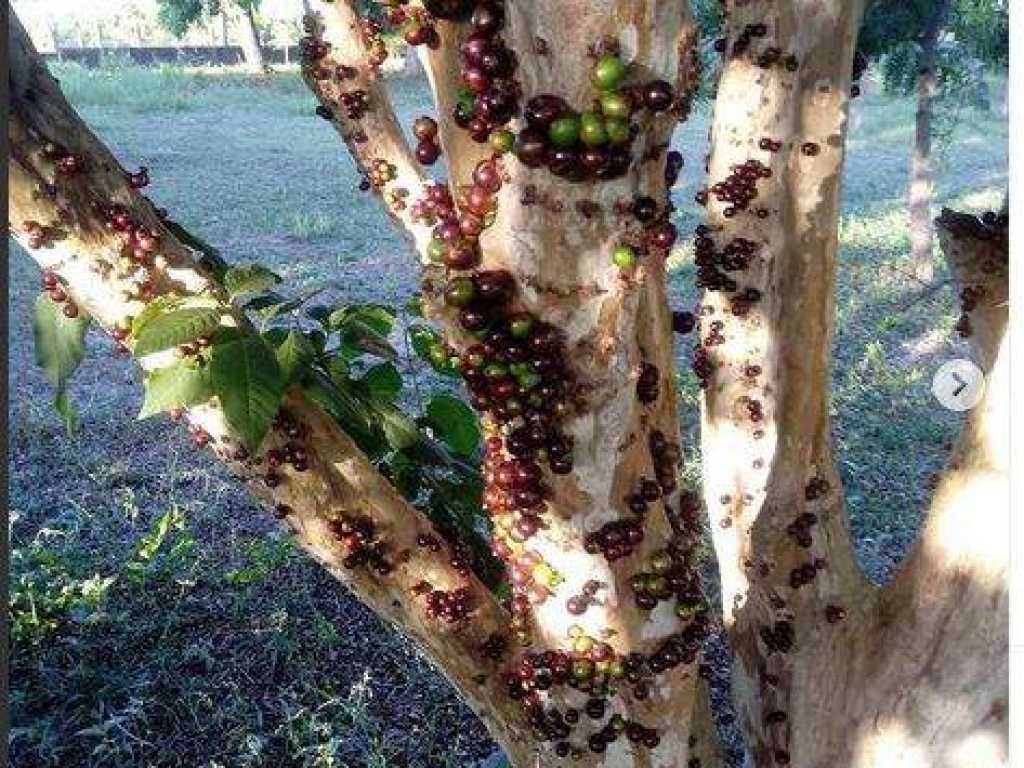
[338, 64]
[88, 257]
[768, 257]
[942, 629]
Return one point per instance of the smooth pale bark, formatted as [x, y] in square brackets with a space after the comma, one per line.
[902, 677]
[340, 480]
[858, 676]
[556, 239]
[921, 179]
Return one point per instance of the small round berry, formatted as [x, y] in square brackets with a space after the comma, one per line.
[609, 72]
[623, 256]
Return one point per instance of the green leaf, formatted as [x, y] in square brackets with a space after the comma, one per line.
[179, 326]
[277, 305]
[455, 423]
[247, 379]
[384, 382]
[249, 278]
[176, 386]
[59, 341]
[399, 430]
[351, 415]
[263, 301]
[379, 317]
[423, 339]
[294, 355]
[414, 306]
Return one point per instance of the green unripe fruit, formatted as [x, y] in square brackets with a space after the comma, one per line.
[592, 131]
[436, 249]
[617, 129]
[614, 105]
[565, 131]
[609, 72]
[520, 326]
[583, 669]
[502, 141]
[467, 101]
[661, 562]
[528, 379]
[658, 586]
[459, 292]
[495, 371]
[454, 363]
[616, 669]
[624, 257]
[583, 644]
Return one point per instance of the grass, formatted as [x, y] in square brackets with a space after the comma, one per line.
[159, 620]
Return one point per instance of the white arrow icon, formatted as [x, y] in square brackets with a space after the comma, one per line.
[958, 385]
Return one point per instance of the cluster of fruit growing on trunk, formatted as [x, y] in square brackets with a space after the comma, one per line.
[647, 384]
[65, 163]
[427, 149]
[714, 264]
[139, 179]
[373, 39]
[594, 143]
[358, 535]
[415, 23]
[969, 297]
[58, 294]
[490, 95]
[657, 234]
[356, 103]
[800, 529]
[39, 236]
[739, 188]
[596, 671]
[764, 58]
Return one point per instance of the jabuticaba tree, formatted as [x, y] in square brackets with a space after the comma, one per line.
[543, 259]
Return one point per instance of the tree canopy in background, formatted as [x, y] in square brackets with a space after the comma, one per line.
[980, 27]
[178, 15]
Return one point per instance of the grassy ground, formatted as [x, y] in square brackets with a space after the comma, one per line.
[159, 620]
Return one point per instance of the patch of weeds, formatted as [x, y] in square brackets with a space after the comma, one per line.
[164, 552]
[47, 591]
[309, 226]
[262, 558]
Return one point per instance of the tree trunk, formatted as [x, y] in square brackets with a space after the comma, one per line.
[224, 40]
[251, 48]
[829, 670]
[921, 181]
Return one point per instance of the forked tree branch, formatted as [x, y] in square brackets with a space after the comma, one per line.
[87, 255]
[943, 623]
[339, 67]
[555, 238]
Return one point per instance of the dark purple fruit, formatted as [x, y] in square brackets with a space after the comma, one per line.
[657, 95]
[531, 148]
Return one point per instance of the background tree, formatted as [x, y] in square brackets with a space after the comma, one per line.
[179, 15]
[544, 256]
[907, 39]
